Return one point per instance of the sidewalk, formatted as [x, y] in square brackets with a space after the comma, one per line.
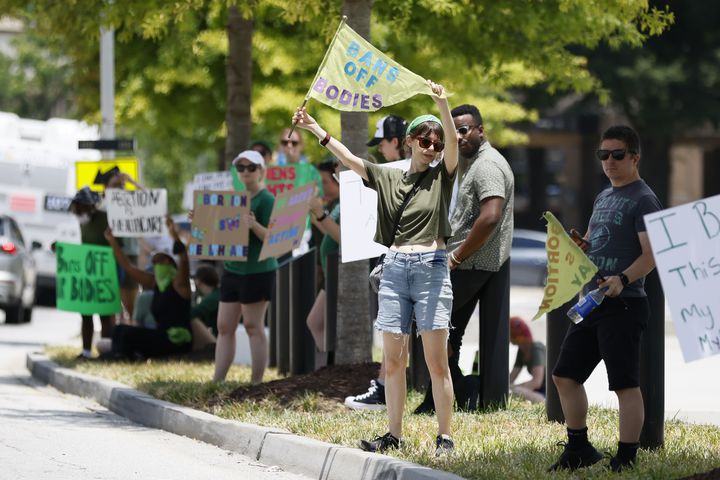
[270, 446]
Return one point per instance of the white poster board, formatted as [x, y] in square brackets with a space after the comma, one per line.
[358, 216]
[686, 243]
[137, 213]
[206, 181]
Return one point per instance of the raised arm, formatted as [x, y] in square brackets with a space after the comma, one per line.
[147, 280]
[341, 152]
[451, 144]
[181, 282]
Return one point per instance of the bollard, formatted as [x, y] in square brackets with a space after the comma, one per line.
[302, 297]
[556, 326]
[331, 298]
[282, 319]
[272, 328]
[652, 366]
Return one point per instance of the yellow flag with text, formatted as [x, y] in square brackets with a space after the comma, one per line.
[354, 76]
[568, 267]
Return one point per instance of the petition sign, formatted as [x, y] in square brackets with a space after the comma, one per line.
[686, 243]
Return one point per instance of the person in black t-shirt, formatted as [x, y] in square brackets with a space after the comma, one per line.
[617, 242]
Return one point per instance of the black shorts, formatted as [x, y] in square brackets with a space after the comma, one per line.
[611, 333]
[247, 288]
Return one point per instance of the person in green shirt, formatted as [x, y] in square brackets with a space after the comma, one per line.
[325, 215]
[416, 275]
[247, 287]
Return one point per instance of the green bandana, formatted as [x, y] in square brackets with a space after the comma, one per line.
[164, 275]
[179, 335]
[422, 119]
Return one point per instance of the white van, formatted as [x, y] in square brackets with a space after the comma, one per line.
[37, 181]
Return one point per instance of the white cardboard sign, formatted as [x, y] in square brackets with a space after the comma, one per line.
[206, 181]
[686, 243]
[358, 216]
[137, 213]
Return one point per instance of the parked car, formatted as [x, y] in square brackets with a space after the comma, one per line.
[17, 273]
[528, 258]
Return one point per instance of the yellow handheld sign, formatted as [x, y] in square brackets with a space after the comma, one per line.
[89, 173]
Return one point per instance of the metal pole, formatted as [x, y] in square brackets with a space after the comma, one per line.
[107, 86]
[331, 291]
[272, 327]
[652, 366]
[282, 319]
[302, 295]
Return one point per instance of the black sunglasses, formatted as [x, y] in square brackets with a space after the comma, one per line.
[425, 142]
[285, 143]
[465, 129]
[618, 154]
[249, 168]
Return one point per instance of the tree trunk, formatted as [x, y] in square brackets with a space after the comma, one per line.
[238, 71]
[354, 326]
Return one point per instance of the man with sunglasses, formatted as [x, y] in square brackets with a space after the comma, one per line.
[290, 150]
[617, 242]
[481, 215]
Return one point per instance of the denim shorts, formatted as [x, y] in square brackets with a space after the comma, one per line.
[416, 283]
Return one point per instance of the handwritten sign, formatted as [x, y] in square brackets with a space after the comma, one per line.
[287, 222]
[281, 179]
[87, 280]
[86, 173]
[358, 210]
[140, 213]
[218, 231]
[686, 243]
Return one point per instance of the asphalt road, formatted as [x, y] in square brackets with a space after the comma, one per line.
[45, 434]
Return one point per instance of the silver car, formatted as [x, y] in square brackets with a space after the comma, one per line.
[17, 273]
[528, 258]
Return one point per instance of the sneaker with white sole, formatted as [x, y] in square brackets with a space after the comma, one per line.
[373, 399]
[444, 445]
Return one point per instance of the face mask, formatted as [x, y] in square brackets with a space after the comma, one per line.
[164, 275]
[84, 218]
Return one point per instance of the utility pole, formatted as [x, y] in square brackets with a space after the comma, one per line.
[107, 87]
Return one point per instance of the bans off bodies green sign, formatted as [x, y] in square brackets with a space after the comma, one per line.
[87, 279]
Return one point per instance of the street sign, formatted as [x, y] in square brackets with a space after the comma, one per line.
[87, 173]
[125, 144]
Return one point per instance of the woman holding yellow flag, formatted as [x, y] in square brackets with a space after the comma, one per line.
[413, 223]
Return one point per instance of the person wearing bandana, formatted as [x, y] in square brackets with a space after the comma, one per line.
[170, 282]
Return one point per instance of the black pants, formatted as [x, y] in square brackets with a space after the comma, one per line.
[131, 342]
[492, 291]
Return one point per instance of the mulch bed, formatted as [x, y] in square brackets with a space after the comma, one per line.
[332, 383]
[711, 475]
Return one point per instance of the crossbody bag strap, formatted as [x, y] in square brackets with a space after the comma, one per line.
[409, 195]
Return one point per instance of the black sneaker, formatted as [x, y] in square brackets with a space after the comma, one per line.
[618, 464]
[572, 459]
[380, 444]
[373, 399]
[443, 445]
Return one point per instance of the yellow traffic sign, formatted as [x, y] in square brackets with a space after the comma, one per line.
[89, 173]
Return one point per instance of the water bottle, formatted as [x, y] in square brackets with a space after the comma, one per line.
[586, 304]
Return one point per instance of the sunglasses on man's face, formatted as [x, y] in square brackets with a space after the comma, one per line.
[249, 168]
[465, 129]
[617, 154]
[425, 142]
[285, 143]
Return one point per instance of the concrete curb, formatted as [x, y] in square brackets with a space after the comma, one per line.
[271, 446]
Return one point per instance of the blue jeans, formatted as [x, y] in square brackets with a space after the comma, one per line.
[414, 282]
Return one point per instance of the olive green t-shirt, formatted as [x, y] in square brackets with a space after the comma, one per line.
[425, 217]
[261, 205]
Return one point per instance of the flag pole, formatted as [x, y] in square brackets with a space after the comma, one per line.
[322, 64]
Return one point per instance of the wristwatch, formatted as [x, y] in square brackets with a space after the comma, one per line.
[624, 279]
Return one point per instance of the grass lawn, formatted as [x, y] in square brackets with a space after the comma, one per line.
[513, 443]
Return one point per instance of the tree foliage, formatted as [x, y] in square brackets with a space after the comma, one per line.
[170, 61]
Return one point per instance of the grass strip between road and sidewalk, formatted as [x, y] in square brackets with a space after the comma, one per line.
[517, 442]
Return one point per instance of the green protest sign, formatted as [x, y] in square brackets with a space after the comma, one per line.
[87, 280]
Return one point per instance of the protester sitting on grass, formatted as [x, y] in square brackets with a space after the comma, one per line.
[203, 316]
[530, 355]
[325, 215]
[170, 282]
[93, 223]
[247, 287]
[416, 277]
